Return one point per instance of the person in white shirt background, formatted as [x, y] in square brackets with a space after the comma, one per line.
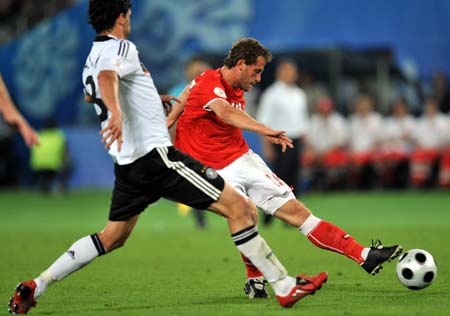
[283, 106]
[365, 132]
[326, 154]
[430, 138]
[396, 145]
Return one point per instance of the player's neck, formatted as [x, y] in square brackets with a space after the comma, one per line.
[115, 32]
[230, 76]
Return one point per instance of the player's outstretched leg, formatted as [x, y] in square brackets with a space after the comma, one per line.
[328, 236]
[82, 252]
[79, 254]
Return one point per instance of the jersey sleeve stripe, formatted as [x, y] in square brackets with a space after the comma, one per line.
[127, 49]
[123, 49]
[206, 106]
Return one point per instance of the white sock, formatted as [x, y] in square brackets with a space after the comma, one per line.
[364, 253]
[255, 248]
[283, 287]
[310, 223]
[79, 254]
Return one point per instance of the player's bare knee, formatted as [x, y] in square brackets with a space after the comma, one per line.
[293, 212]
[243, 209]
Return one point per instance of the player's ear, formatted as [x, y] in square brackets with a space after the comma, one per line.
[121, 19]
[241, 64]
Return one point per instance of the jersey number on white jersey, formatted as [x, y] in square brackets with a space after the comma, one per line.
[103, 111]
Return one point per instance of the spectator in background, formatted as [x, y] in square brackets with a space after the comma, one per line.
[193, 67]
[444, 170]
[396, 145]
[17, 16]
[430, 138]
[13, 117]
[441, 91]
[326, 155]
[314, 90]
[283, 107]
[50, 161]
[365, 131]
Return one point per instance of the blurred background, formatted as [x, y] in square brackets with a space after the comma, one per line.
[380, 67]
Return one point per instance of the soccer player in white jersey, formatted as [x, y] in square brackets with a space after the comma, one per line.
[210, 118]
[147, 167]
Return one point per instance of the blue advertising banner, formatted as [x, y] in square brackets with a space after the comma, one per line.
[42, 68]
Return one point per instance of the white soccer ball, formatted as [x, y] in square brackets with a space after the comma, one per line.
[416, 269]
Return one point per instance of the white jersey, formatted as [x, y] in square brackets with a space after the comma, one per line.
[144, 123]
[365, 132]
[327, 133]
[397, 133]
[431, 132]
[283, 107]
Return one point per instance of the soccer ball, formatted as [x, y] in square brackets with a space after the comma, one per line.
[416, 269]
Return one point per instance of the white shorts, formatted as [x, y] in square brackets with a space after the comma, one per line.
[250, 176]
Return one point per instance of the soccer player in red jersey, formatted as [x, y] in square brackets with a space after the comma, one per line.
[209, 121]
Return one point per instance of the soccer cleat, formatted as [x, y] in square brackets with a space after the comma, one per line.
[23, 298]
[256, 288]
[378, 254]
[305, 285]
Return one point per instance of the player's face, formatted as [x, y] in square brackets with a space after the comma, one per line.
[251, 74]
[127, 24]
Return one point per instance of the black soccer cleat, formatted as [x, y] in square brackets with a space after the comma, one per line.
[378, 254]
[256, 288]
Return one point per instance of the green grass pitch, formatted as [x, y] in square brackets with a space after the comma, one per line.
[168, 267]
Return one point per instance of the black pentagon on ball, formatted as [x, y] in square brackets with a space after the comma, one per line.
[420, 257]
[428, 277]
[407, 273]
[414, 288]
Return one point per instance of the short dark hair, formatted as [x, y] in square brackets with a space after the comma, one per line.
[248, 49]
[103, 13]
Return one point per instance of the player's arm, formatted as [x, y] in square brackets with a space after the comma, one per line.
[178, 108]
[108, 82]
[12, 116]
[242, 120]
[167, 102]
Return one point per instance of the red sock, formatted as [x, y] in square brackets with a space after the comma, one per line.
[252, 271]
[328, 236]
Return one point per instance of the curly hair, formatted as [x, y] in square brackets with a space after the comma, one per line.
[248, 49]
[103, 13]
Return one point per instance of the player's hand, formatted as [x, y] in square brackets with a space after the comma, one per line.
[113, 131]
[278, 137]
[167, 102]
[29, 135]
[282, 140]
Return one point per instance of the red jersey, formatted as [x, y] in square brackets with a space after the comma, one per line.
[200, 132]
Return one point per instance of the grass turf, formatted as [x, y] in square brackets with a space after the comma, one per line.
[170, 268]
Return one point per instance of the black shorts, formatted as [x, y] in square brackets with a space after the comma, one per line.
[163, 172]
